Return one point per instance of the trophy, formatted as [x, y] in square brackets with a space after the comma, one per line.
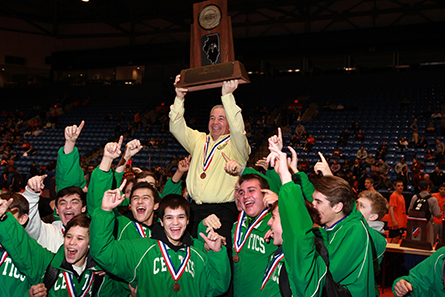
[417, 232]
[212, 57]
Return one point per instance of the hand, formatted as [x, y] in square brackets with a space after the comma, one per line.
[262, 163]
[73, 132]
[395, 225]
[229, 87]
[280, 163]
[268, 235]
[232, 167]
[180, 92]
[38, 291]
[4, 206]
[112, 198]
[35, 183]
[402, 288]
[269, 197]
[292, 162]
[112, 150]
[212, 221]
[322, 166]
[184, 165]
[277, 140]
[132, 148]
[213, 240]
[133, 291]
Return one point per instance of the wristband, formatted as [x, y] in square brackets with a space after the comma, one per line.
[3, 217]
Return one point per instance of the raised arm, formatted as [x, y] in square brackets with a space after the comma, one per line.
[28, 256]
[68, 170]
[117, 257]
[306, 269]
[235, 121]
[102, 176]
[32, 194]
[186, 136]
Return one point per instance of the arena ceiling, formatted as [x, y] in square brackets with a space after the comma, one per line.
[169, 20]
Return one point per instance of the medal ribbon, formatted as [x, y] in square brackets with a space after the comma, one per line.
[70, 286]
[63, 229]
[176, 274]
[140, 229]
[209, 158]
[3, 257]
[270, 269]
[239, 240]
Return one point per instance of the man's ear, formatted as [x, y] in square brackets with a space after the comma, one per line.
[156, 206]
[373, 217]
[23, 219]
[338, 207]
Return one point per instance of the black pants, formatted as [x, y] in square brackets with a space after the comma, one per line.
[227, 214]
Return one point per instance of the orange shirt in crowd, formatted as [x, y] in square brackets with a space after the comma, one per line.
[441, 201]
[398, 201]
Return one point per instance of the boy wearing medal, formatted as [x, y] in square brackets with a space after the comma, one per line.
[250, 250]
[12, 282]
[170, 262]
[76, 272]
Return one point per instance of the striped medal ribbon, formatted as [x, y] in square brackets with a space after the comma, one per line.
[271, 268]
[209, 158]
[240, 240]
[3, 257]
[176, 274]
[140, 229]
[70, 286]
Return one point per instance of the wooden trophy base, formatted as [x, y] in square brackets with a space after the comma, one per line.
[212, 76]
[416, 244]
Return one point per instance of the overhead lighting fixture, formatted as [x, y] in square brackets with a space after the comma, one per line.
[85, 0]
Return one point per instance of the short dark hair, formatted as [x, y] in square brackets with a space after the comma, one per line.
[251, 176]
[379, 204]
[71, 191]
[174, 201]
[130, 180]
[336, 190]
[145, 185]
[398, 182]
[18, 201]
[369, 179]
[442, 186]
[144, 174]
[81, 220]
[423, 185]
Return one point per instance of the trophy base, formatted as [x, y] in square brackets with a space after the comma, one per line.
[212, 76]
[416, 244]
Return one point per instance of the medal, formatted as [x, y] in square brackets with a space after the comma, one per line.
[239, 239]
[176, 274]
[207, 160]
[236, 258]
[176, 287]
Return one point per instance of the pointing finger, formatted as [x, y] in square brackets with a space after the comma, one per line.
[225, 157]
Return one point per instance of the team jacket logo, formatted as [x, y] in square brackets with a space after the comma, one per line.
[159, 265]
